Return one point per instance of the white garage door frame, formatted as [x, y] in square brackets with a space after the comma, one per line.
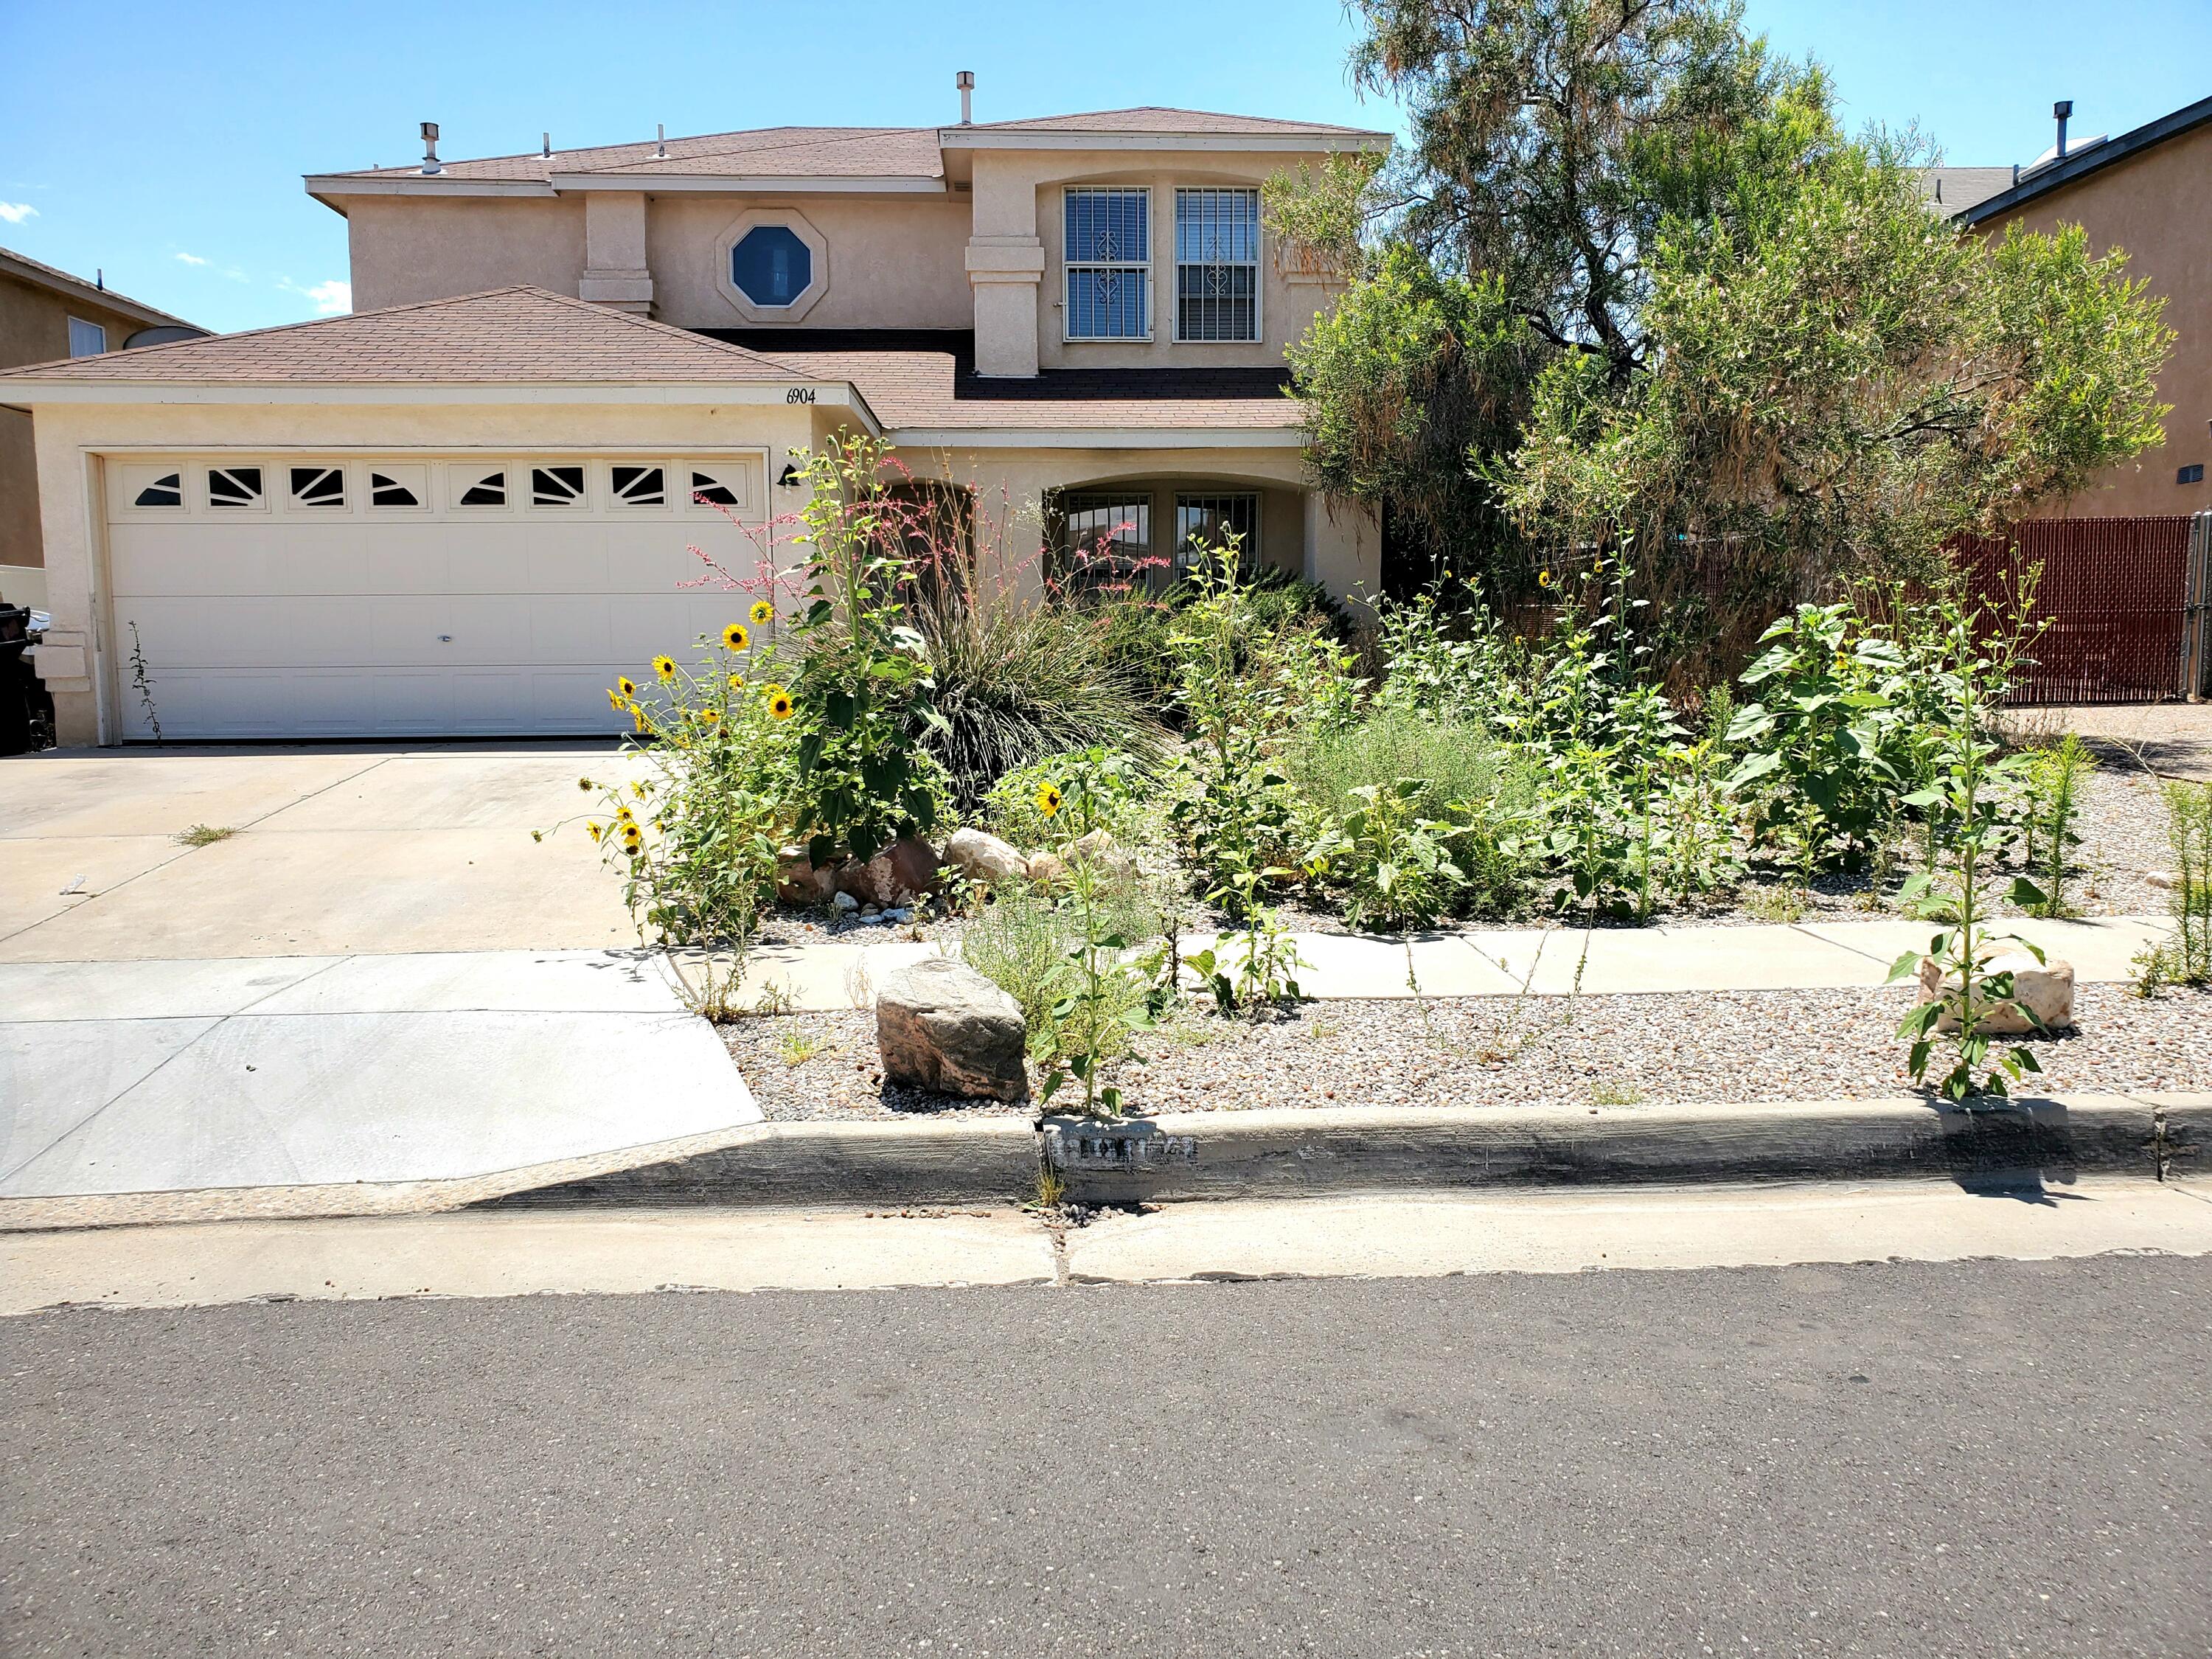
[282, 618]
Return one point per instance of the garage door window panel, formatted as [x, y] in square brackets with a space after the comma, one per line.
[558, 487]
[715, 489]
[319, 488]
[157, 488]
[478, 489]
[638, 486]
[399, 488]
[235, 489]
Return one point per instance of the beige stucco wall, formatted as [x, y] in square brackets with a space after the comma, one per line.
[35, 329]
[895, 262]
[2153, 204]
[427, 247]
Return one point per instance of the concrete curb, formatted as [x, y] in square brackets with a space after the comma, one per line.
[1281, 1153]
[1286, 1152]
[963, 1161]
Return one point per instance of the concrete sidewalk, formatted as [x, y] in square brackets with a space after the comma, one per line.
[163, 1076]
[828, 974]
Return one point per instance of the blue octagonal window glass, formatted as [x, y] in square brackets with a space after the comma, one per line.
[770, 265]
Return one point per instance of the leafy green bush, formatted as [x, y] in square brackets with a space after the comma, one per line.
[1099, 788]
[1023, 940]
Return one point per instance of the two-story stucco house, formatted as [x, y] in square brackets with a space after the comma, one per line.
[465, 507]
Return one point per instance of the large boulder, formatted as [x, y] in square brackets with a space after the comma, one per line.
[900, 874]
[942, 1025]
[982, 858]
[796, 880]
[2046, 989]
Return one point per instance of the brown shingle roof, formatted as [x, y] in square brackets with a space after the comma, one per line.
[505, 335]
[915, 389]
[24, 268]
[839, 152]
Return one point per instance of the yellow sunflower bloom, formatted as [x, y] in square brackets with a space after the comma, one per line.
[627, 686]
[632, 840]
[1048, 799]
[762, 613]
[1543, 578]
[637, 789]
[737, 682]
[624, 815]
[618, 703]
[709, 716]
[734, 637]
[665, 667]
[594, 831]
[778, 706]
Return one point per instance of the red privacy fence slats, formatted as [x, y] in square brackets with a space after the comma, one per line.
[2116, 594]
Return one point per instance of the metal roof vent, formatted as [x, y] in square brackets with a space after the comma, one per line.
[966, 81]
[660, 140]
[430, 162]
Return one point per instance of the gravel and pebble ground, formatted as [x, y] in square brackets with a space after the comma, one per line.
[1700, 1047]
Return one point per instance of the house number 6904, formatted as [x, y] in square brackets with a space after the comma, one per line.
[799, 394]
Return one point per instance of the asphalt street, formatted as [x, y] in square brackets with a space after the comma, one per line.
[1987, 1457]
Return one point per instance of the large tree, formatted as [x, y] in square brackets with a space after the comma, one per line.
[1631, 278]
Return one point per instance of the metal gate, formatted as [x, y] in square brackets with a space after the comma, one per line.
[2128, 602]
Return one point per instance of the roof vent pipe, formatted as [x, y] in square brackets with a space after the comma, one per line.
[966, 81]
[430, 162]
[2061, 110]
[661, 139]
[545, 141]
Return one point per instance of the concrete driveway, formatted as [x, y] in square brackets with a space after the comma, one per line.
[335, 852]
[380, 978]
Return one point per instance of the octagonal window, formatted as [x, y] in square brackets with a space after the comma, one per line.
[770, 266]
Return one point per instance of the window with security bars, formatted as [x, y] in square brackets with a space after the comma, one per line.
[1217, 264]
[1108, 260]
[1214, 522]
[1102, 538]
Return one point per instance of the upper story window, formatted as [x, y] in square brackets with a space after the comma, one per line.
[86, 339]
[1217, 264]
[1108, 260]
[771, 266]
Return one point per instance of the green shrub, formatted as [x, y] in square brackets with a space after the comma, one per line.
[1457, 761]
[1014, 681]
[1023, 942]
[1099, 788]
[2050, 801]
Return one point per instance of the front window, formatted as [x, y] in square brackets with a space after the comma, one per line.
[1217, 264]
[1108, 255]
[1217, 522]
[86, 339]
[770, 266]
[1103, 538]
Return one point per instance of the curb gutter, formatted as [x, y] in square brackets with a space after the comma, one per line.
[1291, 1152]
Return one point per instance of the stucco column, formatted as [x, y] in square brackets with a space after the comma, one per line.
[68, 504]
[614, 272]
[1006, 273]
[1344, 550]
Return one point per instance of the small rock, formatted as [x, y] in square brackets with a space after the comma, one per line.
[903, 871]
[943, 1026]
[1103, 850]
[2046, 989]
[845, 901]
[2164, 879]
[796, 880]
[1046, 870]
[984, 858]
[900, 916]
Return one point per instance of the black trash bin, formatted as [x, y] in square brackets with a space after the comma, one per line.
[19, 686]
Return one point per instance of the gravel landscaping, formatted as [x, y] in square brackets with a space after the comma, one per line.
[1704, 1047]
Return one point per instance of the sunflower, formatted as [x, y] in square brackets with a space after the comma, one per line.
[762, 613]
[1048, 799]
[633, 840]
[637, 788]
[665, 667]
[584, 784]
[737, 682]
[594, 831]
[778, 706]
[1843, 663]
[623, 814]
[626, 685]
[734, 637]
[1543, 578]
[620, 704]
[709, 716]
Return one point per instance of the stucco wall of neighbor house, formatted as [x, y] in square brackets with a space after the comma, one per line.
[405, 248]
[35, 329]
[1017, 195]
[78, 662]
[2154, 204]
[895, 262]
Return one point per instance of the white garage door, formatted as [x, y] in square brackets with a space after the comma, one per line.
[303, 595]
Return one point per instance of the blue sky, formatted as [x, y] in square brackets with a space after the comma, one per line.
[165, 145]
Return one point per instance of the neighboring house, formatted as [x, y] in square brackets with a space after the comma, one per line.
[47, 313]
[465, 508]
[2146, 191]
